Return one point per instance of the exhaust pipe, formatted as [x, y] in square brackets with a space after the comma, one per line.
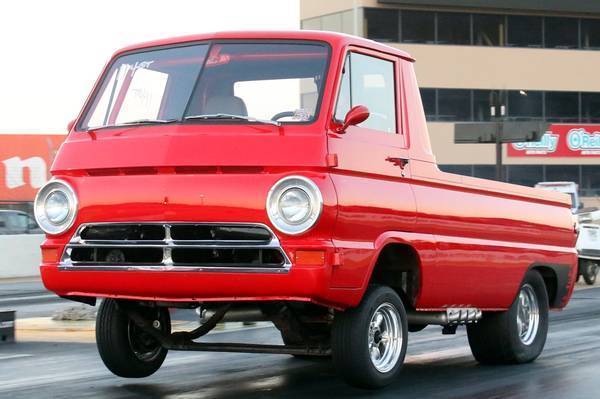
[452, 316]
[243, 314]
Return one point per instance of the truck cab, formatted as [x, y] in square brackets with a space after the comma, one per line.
[288, 177]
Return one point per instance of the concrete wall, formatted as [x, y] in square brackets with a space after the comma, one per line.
[20, 255]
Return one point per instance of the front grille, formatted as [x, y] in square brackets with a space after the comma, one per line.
[175, 246]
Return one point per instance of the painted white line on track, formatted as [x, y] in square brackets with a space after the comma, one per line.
[15, 356]
[27, 298]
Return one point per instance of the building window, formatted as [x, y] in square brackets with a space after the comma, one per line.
[454, 105]
[562, 106]
[382, 24]
[590, 34]
[590, 180]
[488, 30]
[590, 107]
[525, 104]
[587, 176]
[524, 31]
[485, 171]
[453, 28]
[525, 175]
[428, 99]
[562, 173]
[418, 27]
[482, 105]
[474, 105]
[561, 32]
[465, 170]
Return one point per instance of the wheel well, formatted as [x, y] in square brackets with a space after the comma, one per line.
[550, 280]
[397, 266]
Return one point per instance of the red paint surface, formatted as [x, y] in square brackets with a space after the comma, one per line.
[474, 238]
[561, 141]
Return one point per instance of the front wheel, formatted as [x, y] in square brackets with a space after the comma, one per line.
[517, 335]
[369, 342]
[125, 349]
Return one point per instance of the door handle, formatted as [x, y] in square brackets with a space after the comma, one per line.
[401, 162]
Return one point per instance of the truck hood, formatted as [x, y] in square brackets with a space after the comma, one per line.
[190, 146]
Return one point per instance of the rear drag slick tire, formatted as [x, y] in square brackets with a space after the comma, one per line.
[517, 335]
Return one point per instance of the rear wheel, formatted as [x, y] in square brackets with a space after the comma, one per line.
[517, 335]
[369, 341]
[125, 349]
[590, 271]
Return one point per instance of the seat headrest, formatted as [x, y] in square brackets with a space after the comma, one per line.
[225, 105]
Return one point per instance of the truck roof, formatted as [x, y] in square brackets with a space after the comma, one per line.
[333, 38]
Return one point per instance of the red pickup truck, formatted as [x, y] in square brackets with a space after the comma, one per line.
[288, 177]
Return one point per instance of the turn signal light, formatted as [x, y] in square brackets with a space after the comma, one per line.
[50, 255]
[313, 258]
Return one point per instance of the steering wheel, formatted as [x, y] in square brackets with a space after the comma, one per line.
[283, 114]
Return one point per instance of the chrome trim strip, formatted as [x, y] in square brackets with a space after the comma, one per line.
[167, 244]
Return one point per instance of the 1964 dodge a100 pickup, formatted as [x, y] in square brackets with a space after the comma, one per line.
[288, 177]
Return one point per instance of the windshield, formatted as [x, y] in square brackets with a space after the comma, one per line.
[257, 82]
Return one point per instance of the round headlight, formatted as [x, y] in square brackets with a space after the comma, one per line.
[294, 204]
[55, 207]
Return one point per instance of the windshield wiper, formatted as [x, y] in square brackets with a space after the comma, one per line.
[234, 117]
[136, 122]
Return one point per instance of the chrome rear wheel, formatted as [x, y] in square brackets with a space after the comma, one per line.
[528, 315]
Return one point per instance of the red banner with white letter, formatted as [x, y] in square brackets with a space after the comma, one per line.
[561, 141]
[25, 160]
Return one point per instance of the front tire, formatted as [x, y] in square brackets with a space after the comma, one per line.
[369, 342]
[125, 349]
[517, 335]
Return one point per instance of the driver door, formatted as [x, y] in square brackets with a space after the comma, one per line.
[373, 166]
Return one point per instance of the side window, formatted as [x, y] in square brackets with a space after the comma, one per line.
[344, 103]
[370, 82]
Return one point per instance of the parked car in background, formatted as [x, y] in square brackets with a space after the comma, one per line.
[17, 222]
[588, 245]
[588, 241]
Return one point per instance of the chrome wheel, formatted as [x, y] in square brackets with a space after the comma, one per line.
[385, 337]
[528, 315]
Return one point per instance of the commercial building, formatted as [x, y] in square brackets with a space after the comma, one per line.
[541, 56]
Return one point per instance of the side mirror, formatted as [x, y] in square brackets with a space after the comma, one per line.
[70, 125]
[356, 115]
